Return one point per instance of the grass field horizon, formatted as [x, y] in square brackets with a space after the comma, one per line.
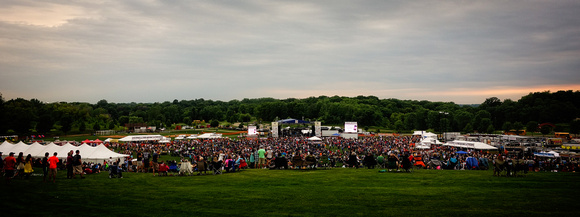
[334, 192]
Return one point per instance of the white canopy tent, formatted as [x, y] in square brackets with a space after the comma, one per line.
[210, 136]
[422, 146]
[314, 138]
[469, 144]
[550, 154]
[36, 149]
[5, 148]
[87, 152]
[140, 138]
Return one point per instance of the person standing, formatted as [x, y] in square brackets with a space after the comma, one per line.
[44, 163]
[140, 162]
[52, 161]
[9, 166]
[1, 165]
[28, 166]
[78, 165]
[69, 164]
[20, 165]
[146, 161]
[252, 160]
[155, 164]
[261, 158]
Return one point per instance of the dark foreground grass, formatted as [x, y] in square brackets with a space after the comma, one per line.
[336, 192]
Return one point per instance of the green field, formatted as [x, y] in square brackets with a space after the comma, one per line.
[335, 192]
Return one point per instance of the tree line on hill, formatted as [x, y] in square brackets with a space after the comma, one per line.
[29, 117]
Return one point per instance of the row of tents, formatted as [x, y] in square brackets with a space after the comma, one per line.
[163, 139]
[88, 153]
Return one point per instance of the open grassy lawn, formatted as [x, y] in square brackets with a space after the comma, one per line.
[335, 192]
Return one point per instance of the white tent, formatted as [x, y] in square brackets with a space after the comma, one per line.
[550, 154]
[429, 135]
[192, 137]
[314, 138]
[418, 133]
[86, 150]
[141, 138]
[422, 146]
[5, 148]
[36, 150]
[165, 140]
[469, 144]
[430, 141]
[20, 147]
[210, 136]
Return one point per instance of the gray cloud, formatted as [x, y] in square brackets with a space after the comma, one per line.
[148, 51]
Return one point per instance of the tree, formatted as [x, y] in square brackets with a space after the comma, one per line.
[483, 125]
[462, 118]
[82, 126]
[490, 129]
[111, 125]
[477, 121]
[96, 126]
[66, 124]
[44, 124]
[214, 123]
[468, 128]
[532, 127]
[399, 126]
[246, 117]
[575, 127]
[518, 126]
[507, 126]
[545, 130]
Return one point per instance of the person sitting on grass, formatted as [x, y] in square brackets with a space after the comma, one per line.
[163, 168]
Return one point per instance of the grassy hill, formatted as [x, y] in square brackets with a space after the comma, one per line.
[335, 192]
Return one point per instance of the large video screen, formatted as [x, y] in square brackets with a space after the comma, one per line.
[252, 130]
[350, 127]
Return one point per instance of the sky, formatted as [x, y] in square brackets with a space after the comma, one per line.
[155, 51]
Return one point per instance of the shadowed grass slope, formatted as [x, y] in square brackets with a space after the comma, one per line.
[336, 192]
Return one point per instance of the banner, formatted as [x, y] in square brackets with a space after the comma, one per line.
[318, 129]
[350, 127]
[275, 129]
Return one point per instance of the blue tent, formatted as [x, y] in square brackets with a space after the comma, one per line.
[293, 121]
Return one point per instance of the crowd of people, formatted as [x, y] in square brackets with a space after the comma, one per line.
[199, 156]
[298, 152]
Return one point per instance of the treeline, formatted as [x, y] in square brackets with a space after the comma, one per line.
[25, 117]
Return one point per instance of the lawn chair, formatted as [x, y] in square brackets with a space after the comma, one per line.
[381, 161]
[216, 167]
[392, 163]
[185, 168]
[310, 162]
[115, 171]
[201, 166]
[173, 167]
[499, 166]
[435, 164]
[297, 162]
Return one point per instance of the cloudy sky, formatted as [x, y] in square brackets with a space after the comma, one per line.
[156, 50]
